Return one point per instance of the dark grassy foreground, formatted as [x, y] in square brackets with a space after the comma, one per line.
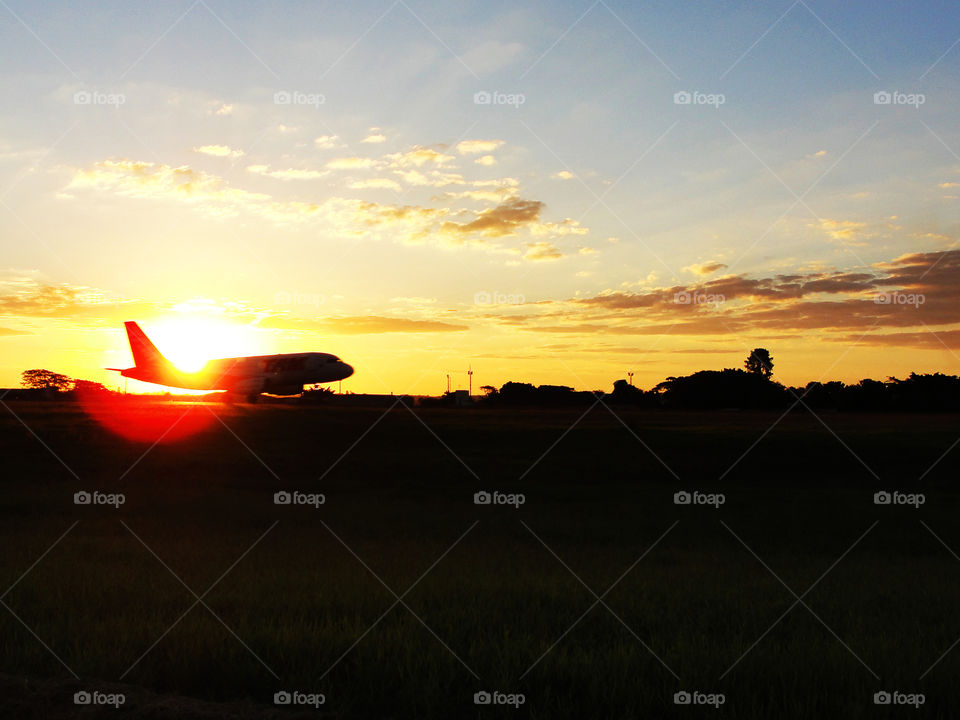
[301, 602]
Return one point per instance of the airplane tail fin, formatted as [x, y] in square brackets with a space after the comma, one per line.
[145, 353]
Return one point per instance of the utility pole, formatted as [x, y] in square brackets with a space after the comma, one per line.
[470, 377]
[630, 375]
[448, 382]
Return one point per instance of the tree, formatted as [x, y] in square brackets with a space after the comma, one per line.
[88, 386]
[759, 362]
[40, 379]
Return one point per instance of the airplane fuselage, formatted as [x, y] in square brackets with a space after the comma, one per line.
[275, 374]
[284, 374]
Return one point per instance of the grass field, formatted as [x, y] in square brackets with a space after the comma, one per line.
[490, 597]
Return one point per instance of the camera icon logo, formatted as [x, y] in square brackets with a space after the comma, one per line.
[281, 98]
[282, 698]
[882, 498]
[482, 298]
[82, 698]
[682, 498]
[682, 298]
[82, 97]
[882, 698]
[482, 498]
[482, 698]
[882, 98]
[82, 498]
[682, 98]
[682, 698]
[482, 97]
[282, 498]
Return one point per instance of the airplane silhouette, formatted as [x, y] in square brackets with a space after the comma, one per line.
[284, 374]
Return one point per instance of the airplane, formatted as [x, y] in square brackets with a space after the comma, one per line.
[284, 374]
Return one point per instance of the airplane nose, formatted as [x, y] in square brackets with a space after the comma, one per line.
[347, 370]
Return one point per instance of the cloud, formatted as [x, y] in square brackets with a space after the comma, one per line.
[218, 151]
[707, 268]
[567, 226]
[504, 219]
[351, 163]
[846, 231]
[563, 175]
[925, 340]
[326, 142]
[374, 136]
[30, 298]
[475, 147]
[542, 251]
[149, 180]
[346, 216]
[288, 174]
[377, 183]
[833, 304]
[361, 325]
[420, 156]
[486, 160]
[435, 178]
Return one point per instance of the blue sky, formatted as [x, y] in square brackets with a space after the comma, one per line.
[598, 181]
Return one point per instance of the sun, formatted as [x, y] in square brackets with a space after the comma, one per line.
[190, 342]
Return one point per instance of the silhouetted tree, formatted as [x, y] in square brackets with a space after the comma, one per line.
[39, 379]
[759, 362]
[727, 388]
[624, 392]
[488, 390]
[88, 386]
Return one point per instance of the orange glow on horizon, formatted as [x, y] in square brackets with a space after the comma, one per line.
[141, 420]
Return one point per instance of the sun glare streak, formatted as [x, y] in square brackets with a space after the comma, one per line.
[189, 343]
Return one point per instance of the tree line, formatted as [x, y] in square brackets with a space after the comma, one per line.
[749, 388]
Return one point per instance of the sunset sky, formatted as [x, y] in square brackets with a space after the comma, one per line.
[548, 192]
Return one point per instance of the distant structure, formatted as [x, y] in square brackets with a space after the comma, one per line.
[469, 372]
